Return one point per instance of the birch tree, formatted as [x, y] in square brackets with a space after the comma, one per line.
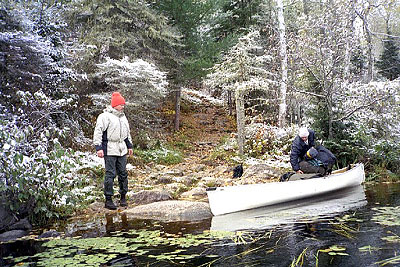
[283, 55]
[364, 14]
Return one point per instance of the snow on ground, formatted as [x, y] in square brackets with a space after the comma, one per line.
[199, 97]
[282, 162]
[91, 160]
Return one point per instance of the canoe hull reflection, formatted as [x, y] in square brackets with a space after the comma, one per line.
[298, 211]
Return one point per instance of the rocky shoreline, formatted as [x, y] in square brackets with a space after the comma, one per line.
[176, 192]
[164, 193]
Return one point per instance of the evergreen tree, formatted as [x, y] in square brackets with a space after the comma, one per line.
[122, 28]
[209, 28]
[389, 61]
[236, 17]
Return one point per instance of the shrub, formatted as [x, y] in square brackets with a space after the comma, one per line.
[37, 175]
[159, 154]
[264, 140]
[226, 151]
[387, 155]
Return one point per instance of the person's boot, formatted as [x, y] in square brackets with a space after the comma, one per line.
[122, 201]
[110, 204]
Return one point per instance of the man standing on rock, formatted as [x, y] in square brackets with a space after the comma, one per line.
[113, 142]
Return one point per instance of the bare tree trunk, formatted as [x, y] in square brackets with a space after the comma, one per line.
[177, 108]
[240, 117]
[306, 7]
[364, 17]
[370, 56]
[283, 55]
[230, 104]
[349, 37]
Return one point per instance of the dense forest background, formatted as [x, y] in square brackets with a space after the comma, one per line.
[333, 66]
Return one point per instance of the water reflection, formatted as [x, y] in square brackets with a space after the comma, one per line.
[339, 229]
[306, 210]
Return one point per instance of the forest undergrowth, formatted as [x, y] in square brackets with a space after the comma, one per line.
[204, 127]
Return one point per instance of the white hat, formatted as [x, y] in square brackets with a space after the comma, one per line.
[303, 132]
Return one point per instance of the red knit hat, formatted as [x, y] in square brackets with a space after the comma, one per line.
[117, 99]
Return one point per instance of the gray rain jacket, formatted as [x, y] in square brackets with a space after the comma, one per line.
[112, 133]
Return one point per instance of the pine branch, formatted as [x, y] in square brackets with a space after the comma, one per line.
[360, 107]
[309, 93]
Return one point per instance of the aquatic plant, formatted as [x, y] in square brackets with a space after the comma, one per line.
[300, 259]
[343, 229]
[387, 216]
[391, 261]
[73, 252]
[333, 250]
[368, 249]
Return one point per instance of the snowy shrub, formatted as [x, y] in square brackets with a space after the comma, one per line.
[387, 155]
[369, 130]
[36, 174]
[123, 74]
[266, 141]
[142, 84]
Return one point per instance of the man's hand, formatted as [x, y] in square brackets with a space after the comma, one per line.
[300, 172]
[100, 153]
[130, 152]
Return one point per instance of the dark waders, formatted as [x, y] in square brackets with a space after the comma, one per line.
[115, 166]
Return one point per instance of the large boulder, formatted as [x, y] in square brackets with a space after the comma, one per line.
[12, 235]
[149, 196]
[195, 193]
[259, 173]
[173, 210]
[22, 224]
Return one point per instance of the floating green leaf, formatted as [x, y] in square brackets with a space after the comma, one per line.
[78, 251]
[368, 249]
[334, 250]
[392, 238]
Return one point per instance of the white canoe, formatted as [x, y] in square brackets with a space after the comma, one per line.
[320, 208]
[230, 199]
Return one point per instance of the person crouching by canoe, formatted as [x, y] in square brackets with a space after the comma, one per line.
[113, 142]
[301, 144]
[313, 163]
[320, 160]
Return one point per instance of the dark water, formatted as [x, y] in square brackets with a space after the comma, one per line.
[356, 227]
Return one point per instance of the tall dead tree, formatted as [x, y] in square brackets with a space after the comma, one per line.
[284, 65]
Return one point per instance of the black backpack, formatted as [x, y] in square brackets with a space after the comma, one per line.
[238, 171]
[286, 176]
[325, 156]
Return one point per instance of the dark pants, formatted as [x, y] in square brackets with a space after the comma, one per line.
[306, 167]
[115, 166]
